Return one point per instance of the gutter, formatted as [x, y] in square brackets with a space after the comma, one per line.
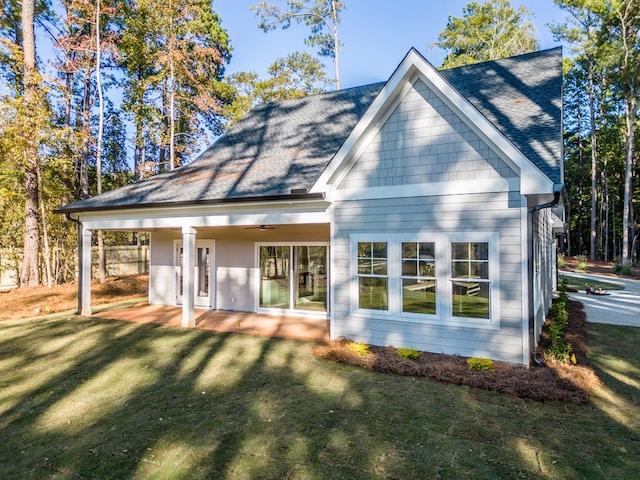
[558, 189]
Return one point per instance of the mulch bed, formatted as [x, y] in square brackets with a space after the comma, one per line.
[598, 267]
[552, 382]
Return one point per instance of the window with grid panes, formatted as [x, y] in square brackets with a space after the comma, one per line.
[373, 279]
[419, 278]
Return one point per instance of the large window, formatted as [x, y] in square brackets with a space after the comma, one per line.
[419, 278]
[294, 277]
[470, 279]
[373, 281]
[449, 278]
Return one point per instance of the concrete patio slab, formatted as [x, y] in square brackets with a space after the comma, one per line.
[282, 326]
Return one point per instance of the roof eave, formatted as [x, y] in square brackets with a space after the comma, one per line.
[293, 197]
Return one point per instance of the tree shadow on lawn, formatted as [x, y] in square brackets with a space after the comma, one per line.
[90, 398]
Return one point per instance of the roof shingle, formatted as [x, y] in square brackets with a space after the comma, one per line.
[282, 146]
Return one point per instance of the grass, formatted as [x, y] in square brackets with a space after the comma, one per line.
[574, 283]
[89, 398]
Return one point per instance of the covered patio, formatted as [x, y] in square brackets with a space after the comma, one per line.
[282, 326]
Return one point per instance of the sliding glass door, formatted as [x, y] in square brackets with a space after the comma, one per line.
[311, 278]
[294, 277]
[275, 278]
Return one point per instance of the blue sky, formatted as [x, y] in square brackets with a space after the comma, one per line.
[376, 34]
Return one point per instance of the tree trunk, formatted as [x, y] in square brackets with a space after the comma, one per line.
[594, 173]
[102, 260]
[29, 274]
[630, 107]
[336, 43]
[45, 234]
[86, 134]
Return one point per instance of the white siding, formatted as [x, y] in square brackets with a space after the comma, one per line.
[161, 270]
[543, 272]
[235, 275]
[423, 142]
[424, 215]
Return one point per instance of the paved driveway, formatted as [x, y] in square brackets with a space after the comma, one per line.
[622, 307]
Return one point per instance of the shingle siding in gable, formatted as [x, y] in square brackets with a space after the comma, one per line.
[423, 141]
[522, 96]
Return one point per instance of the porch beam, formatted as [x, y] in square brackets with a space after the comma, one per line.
[188, 276]
[84, 271]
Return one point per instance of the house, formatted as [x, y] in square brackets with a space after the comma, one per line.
[418, 212]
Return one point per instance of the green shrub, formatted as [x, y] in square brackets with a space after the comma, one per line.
[479, 364]
[563, 296]
[582, 262]
[359, 348]
[623, 269]
[408, 353]
[561, 262]
[559, 349]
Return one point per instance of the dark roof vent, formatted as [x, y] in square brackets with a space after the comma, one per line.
[295, 191]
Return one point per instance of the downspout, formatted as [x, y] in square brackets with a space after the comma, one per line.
[557, 190]
[80, 292]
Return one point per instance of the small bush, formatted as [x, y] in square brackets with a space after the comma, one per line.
[582, 262]
[359, 348]
[559, 349]
[408, 353]
[623, 269]
[480, 364]
[561, 262]
[563, 296]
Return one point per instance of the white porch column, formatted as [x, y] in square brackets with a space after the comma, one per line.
[84, 271]
[188, 276]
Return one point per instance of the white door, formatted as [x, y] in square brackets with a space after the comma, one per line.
[203, 284]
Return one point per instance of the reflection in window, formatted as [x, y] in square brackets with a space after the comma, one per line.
[373, 283]
[470, 279]
[418, 277]
[274, 276]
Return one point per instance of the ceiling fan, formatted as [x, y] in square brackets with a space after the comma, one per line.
[262, 228]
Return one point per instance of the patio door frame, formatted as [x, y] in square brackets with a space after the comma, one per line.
[207, 302]
[292, 280]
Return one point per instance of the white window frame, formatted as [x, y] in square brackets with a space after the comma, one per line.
[372, 274]
[291, 310]
[419, 316]
[443, 276]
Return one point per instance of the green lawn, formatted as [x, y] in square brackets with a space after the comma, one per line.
[581, 284]
[88, 398]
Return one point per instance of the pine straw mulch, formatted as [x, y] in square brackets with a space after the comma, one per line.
[554, 381]
[33, 301]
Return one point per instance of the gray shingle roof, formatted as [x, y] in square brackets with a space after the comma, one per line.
[285, 145]
[522, 96]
